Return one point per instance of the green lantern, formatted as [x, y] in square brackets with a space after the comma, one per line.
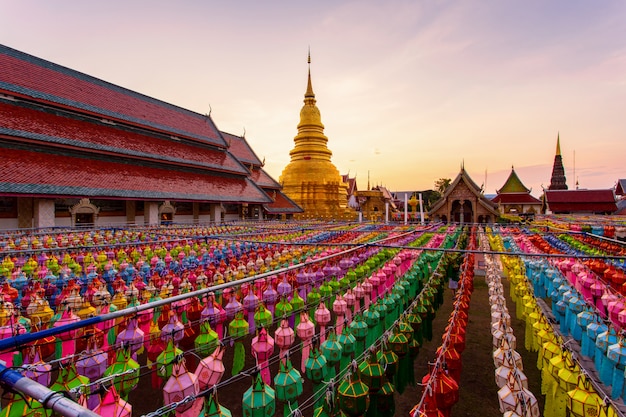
[415, 320]
[288, 386]
[334, 286]
[389, 360]
[297, 304]
[262, 316]
[283, 308]
[330, 407]
[313, 300]
[372, 373]
[326, 291]
[372, 319]
[124, 382]
[385, 401]
[238, 329]
[358, 328]
[353, 396]
[164, 362]
[348, 345]
[212, 408]
[332, 350]
[392, 306]
[399, 344]
[259, 400]
[207, 340]
[316, 370]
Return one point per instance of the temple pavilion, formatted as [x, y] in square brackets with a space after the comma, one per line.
[515, 198]
[79, 151]
[311, 180]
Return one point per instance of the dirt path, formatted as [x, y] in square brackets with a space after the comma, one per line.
[478, 390]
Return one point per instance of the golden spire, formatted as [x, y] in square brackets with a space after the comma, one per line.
[309, 88]
[558, 144]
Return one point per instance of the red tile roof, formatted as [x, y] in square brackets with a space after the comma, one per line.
[282, 204]
[55, 130]
[29, 77]
[241, 149]
[263, 179]
[25, 172]
[515, 198]
[581, 201]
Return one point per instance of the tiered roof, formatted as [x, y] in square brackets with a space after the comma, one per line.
[514, 192]
[64, 133]
[241, 149]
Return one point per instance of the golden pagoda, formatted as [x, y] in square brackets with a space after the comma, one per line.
[310, 179]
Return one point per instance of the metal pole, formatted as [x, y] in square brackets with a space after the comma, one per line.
[47, 397]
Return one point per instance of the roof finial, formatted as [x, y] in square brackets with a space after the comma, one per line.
[309, 88]
[558, 144]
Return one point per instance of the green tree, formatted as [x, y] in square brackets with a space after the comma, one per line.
[442, 184]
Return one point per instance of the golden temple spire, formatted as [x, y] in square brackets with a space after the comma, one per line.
[558, 144]
[309, 88]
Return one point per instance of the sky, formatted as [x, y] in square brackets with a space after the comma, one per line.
[409, 91]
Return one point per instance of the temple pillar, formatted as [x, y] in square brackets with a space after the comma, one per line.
[24, 213]
[151, 213]
[216, 213]
[131, 211]
[43, 212]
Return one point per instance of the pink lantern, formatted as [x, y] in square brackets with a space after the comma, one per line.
[359, 294]
[174, 329]
[322, 317]
[305, 331]
[368, 289]
[214, 314]
[180, 385]
[340, 308]
[132, 336]
[210, 369]
[262, 348]
[113, 406]
[67, 338]
[351, 299]
[284, 337]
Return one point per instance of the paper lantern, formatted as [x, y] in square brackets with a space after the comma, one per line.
[207, 340]
[288, 386]
[332, 350]
[305, 331]
[259, 400]
[348, 346]
[583, 401]
[210, 370]
[385, 399]
[262, 348]
[353, 396]
[39, 370]
[212, 407]
[164, 362]
[284, 337]
[132, 336]
[358, 328]
[238, 329]
[322, 318]
[372, 373]
[125, 371]
[92, 362]
[180, 385]
[113, 405]
[262, 316]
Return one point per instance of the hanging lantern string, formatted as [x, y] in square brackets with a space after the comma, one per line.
[598, 386]
[309, 402]
[440, 360]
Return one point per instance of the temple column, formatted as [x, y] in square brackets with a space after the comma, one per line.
[24, 213]
[216, 213]
[43, 214]
[131, 211]
[151, 213]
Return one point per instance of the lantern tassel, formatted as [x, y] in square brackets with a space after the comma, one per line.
[239, 358]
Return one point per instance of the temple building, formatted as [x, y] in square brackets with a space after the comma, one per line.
[557, 181]
[463, 202]
[311, 180]
[515, 198]
[79, 151]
